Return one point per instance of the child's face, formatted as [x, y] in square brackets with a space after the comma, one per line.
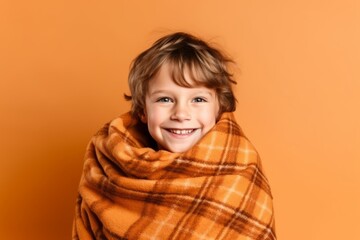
[178, 117]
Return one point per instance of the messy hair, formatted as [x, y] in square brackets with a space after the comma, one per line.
[206, 65]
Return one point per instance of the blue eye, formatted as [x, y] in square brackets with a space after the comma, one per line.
[164, 99]
[199, 99]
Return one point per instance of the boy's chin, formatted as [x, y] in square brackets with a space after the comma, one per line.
[175, 149]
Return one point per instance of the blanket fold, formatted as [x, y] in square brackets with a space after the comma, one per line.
[215, 190]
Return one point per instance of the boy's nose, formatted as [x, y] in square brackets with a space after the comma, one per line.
[181, 112]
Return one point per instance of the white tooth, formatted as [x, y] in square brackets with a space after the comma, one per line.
[181, 132]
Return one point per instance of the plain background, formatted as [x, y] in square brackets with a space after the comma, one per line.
[63, 72]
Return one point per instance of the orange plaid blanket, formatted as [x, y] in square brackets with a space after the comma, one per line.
[215, 190]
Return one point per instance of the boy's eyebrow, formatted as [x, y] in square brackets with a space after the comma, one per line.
[207, 92]
[162, 91]
[159, 91]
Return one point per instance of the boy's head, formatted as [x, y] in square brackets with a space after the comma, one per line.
[207, 66]
[180, 75]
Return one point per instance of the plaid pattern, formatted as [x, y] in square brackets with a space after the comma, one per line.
[215, 190]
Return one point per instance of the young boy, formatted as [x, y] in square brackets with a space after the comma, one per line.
[177, 166]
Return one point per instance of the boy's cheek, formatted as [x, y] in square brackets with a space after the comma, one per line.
[152, 114]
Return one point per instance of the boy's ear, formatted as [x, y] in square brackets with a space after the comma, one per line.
[143, 117]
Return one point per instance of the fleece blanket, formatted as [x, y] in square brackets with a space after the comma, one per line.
[130, 190]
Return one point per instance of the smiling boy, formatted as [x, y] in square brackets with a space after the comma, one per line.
[177, 166]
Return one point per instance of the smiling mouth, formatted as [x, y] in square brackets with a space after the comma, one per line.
[181, 131]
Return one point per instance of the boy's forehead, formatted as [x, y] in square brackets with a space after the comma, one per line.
[164, 82]
[186, 75]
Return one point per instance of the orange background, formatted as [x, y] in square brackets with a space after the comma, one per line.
[63, 71]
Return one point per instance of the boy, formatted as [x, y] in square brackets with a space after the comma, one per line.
[177, 166]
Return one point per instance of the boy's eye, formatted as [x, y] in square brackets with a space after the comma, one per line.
[199, 99]
[164, 99]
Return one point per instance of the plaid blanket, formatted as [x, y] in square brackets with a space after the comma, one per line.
[215, 190]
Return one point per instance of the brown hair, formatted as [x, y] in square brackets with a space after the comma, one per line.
[207, 67]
